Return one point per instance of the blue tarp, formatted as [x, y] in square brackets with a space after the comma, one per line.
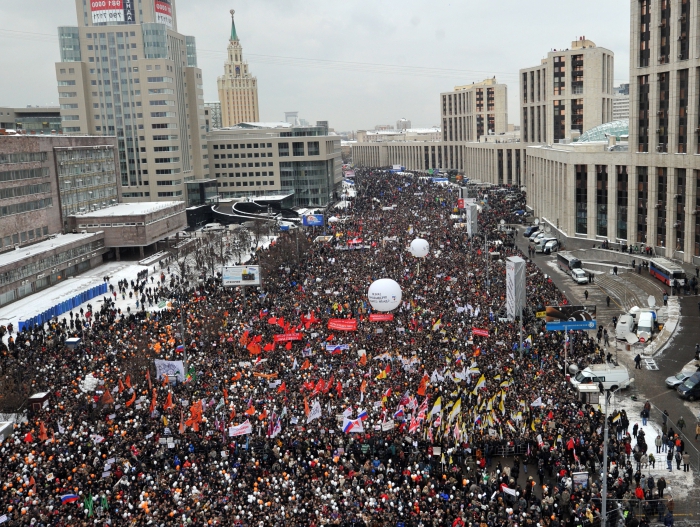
[63, 307]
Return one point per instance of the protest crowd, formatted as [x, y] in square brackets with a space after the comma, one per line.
[292, 405]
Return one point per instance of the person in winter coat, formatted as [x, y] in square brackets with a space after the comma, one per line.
[661, 486]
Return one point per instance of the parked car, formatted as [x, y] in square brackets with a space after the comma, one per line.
[612, 377]
[531, 230]
[690, 389]
[579, 276]
[674, 381]
[625, 326]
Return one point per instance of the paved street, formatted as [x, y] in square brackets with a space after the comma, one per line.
[630, 289]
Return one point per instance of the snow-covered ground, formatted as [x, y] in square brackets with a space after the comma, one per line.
[36, 303]
[679, 483]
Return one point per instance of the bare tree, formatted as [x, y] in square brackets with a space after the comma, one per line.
[260, 229]
[240, 243]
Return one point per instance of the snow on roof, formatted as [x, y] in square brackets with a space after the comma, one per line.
[130, 209]
[24, 253]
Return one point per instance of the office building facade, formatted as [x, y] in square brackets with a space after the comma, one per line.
[238, 89]
[32, 119]
[256, 159]
[125, 71]
[212, 115]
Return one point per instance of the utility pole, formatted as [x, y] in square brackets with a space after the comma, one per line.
[604, 497]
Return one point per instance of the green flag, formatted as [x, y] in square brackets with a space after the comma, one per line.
[104, 503]
[88, 504]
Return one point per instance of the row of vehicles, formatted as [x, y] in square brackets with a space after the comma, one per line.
[541, 240]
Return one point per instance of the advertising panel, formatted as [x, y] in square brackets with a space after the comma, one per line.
[164, 12]
[460, 203]
[111, 11]
[243, 275]
[560, 318]
[312, 220]
[515, 286]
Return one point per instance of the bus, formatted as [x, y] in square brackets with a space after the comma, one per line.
[666, 271]
[568, 262]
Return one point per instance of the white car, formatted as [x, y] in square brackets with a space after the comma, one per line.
[551, 246]
[579, 276]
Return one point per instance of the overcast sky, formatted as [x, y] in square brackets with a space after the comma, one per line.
[355, 63]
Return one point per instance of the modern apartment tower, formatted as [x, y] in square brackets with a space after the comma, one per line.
[238, 89]
[474, 110]
[125, 71]
[570, 89]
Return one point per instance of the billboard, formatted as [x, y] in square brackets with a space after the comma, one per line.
[515, 286]
[164, 12]
[112, 11]
[312, 220]
[243, 275]
[560, 318]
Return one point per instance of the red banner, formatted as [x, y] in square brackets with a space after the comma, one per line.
[343, 324]
[480, 332]
[460, 203]
[286, 337]
[381, 317]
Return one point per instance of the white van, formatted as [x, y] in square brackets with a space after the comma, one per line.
[645, 325]
[624, 327]
[210, 227]
[539, 244]
[612, 377]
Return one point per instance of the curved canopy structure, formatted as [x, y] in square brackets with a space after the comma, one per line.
[618, 129]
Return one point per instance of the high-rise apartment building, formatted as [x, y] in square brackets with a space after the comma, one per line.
[571, 89]
[238, 89]
[125, 71]
[474, 110]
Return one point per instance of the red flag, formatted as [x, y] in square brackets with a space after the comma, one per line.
[250, 410]
[306, 365]
[168, 402]
[121, 386]
[280, 322]
[339, 388]
[306, 407]
[154, 401]
[225, 396]
[165, 379]
[107, 397]
[288, 346]
[182, 422]
[269, 347]
[127, 381]
[132, 400]
[254, 349]
[42, 432]
[263, 415]
[423, 384]
[28, 438]
[363, 360]
[330, 337]
[282, 387]
[148, 378]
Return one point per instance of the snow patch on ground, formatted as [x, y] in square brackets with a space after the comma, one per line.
[679, 483]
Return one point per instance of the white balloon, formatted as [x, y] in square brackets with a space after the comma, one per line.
[384, 294]
[420, 248]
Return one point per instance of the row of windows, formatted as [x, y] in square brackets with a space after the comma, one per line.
[19, 208]
[26, 190]
[246, 174]
[241, 146]
[170, 194]
[239, 165]
[263, 183]
[48, 262]
[169, 183]
[23, 157]
[24, 237]
[29, 173]
[239, 156]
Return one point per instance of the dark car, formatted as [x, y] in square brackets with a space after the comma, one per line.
[530, 230]
[690, 389]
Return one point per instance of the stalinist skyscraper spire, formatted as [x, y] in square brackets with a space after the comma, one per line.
[238, 89]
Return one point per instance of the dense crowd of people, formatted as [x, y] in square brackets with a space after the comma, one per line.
[296, 407]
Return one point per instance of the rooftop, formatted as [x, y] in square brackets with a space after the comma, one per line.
[130, 209]
[22, 253]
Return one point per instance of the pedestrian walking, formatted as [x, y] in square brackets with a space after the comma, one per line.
[680, 423]
[607, 300]
[585, 293]
[679, 458]
[638, 362]
[686, 462]
[697, 430]
[669, 459]
[665, 298]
